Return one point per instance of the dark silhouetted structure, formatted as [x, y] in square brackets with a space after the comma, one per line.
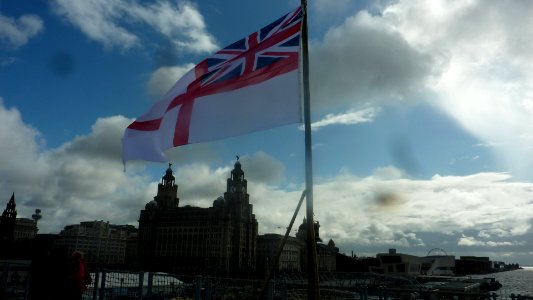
[8, 221]
[219, 240]
[102, 244]
[326, 253]
[7, 229]
[467, 265]
[290, 259]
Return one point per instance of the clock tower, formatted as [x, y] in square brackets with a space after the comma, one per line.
[236, 182]
[167, 191]
[221, 239]
[244, 224]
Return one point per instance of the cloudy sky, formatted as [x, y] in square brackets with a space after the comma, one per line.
[421, 115]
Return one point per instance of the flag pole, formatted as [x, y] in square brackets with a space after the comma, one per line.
[313, 290]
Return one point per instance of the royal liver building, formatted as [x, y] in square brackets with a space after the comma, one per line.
[219, 240]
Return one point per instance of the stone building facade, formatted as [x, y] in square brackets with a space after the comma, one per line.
[219, 240]
[25, 228]
[101, 243]
[326, 253]
[267, 250]
[293, 256]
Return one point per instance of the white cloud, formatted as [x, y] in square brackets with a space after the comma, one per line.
[484, 234]
[348, 118]
[366, 61]
[83, 180]
[162, 79]
[388, 173]
[455, 160]
[15, 33]
[183, 24]
[6, 61]
[20, 147]
[420, 206]
[499, 244]
[485, 80]
[469, 241]
[200, 185]
[104, 141]
[471, 59]
[263, 168]
[112, 22]
[326, 8]
[399, 212]
[97, 19]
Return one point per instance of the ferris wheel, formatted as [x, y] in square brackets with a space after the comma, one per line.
[437, 252]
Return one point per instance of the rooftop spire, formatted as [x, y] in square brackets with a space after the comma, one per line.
[10, 211]
[237, 174]
[9, 218]
[168, 179]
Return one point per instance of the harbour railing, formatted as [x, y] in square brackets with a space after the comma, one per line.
[15, 279]
[162, 286]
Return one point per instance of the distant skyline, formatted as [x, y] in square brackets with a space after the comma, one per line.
[421, 112]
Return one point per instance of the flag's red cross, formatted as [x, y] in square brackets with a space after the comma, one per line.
[249, 76]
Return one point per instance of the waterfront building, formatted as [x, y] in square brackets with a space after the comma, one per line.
[326, 253]
[99, 241]
[498, 265]
[219, 240]
[290, 258]
[405, 264]
[327, 256]
[130, 259]
[473, 265]
[25, 228]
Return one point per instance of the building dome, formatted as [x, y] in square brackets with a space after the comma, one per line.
[237, 174]
[168, 179]
[168, 174]
[151, 205]
[219, 202]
